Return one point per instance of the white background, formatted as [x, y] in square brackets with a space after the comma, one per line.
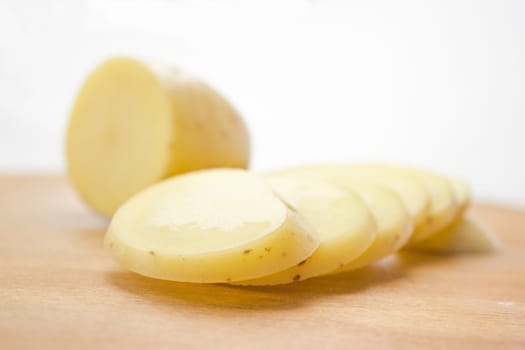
[434, 83]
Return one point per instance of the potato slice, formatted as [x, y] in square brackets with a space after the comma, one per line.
[461, 192]
[446, 197]
[209, 226]
[412, 193]
[394, 224]
[345, 227]
[133, 125]
[465, 236]
[444, 207]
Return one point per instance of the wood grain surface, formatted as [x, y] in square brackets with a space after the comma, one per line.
[60, 289]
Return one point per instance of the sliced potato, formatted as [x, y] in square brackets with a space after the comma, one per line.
[345, 227]
[412, 192]
[448, 198]
[209, 226]
[461, 192]
[133, 125]
[465, 236]
[394, 224]
[444, 207]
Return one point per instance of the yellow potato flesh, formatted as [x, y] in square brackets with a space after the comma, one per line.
[394, 224]
[444, 207]
[461, 192]
[448, 198]
[133, 125]
[345, 227]
[209, 226]
[411, 192]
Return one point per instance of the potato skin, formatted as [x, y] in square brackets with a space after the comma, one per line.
[209, 132]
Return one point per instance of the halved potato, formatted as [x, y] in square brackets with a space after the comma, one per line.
[343, 222]
[465, 236]
[133, 125]
[209, 226]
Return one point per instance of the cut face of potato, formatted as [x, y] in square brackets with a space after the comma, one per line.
[345, 227]
[464, 236]
[209, 226]
[133, 125]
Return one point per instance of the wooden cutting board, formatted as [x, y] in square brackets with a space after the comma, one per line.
[59, 289]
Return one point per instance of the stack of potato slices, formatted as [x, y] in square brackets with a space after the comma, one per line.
[233, 226]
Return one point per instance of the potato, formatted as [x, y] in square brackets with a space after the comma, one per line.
[344, 225]
[461, 192]
[394, 224]
[412, 193]
[420, 190]
[449, 197]
[133, 125]
[209, 226]
[444, 207]
[464, 236]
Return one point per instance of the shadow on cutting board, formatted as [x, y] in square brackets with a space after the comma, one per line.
[394, 269]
